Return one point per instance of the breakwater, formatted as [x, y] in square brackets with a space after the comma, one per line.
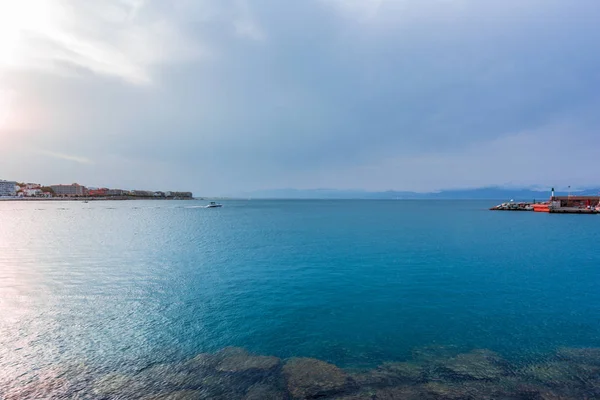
[512, 206]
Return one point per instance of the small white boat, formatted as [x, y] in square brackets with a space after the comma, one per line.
[212, 204]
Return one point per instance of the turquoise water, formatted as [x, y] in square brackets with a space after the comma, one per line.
[119, 286]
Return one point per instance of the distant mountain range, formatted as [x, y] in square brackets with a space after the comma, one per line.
[489, 193]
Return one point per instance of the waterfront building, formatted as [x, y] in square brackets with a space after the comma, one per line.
[32, 192]
[69, 190]
[116, 192]
[143, 193]
[569, 204]
[101, 192]
[574, 201]
[180, 195]
[8, 188]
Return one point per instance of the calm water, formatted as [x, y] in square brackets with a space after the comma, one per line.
[122, 285]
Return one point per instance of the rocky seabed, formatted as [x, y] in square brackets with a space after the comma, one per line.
[234, 373]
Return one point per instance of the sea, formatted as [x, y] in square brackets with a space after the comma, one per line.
[296, 299]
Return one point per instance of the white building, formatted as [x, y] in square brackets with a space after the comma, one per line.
[33, 192]
[8, 188]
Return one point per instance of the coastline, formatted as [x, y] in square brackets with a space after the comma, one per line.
[26, 199]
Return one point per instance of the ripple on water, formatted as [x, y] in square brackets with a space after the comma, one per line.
[234, 373]
[356, 284]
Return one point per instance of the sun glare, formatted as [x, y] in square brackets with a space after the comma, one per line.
[19, 18]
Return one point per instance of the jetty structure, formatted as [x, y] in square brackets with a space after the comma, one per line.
[571, 204]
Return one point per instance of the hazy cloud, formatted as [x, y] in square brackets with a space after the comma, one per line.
[245, 23]
[61, 156]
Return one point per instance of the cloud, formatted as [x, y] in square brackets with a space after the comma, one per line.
[359, 10]
[113, 38]
[521, 159]
[245, 23]
[5, 104]
[66, 157]
[237, 95]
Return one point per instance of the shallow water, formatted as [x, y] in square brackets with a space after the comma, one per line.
[119, 287]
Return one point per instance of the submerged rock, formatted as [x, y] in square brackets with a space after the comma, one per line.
[392, 393]
[547, 394]
[115, 384]
[434, 354]
[374, 379]
[178, 395]
[485, 390]
[476, 365]
[265, 392]
[308, 378]
[475, 390]
[590, 355]
[563, 373]
[390, 374]
[517, 387]
[403, 371]
[202, 361]
[228, 373]
[367, 395]
[550, 373]
[174, 376]
[223, 386]
[439, 390]
[238, 360]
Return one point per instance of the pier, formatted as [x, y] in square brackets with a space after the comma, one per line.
[556, 205]
[573, 210]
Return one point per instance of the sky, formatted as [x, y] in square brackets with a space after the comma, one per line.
[228, 96]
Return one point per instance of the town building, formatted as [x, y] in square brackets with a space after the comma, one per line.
[575, 201]
[8, 188]
[32, 192]
[116, 192]
[143, 193]
[101, 192]
[69, 190]
[179, 195]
